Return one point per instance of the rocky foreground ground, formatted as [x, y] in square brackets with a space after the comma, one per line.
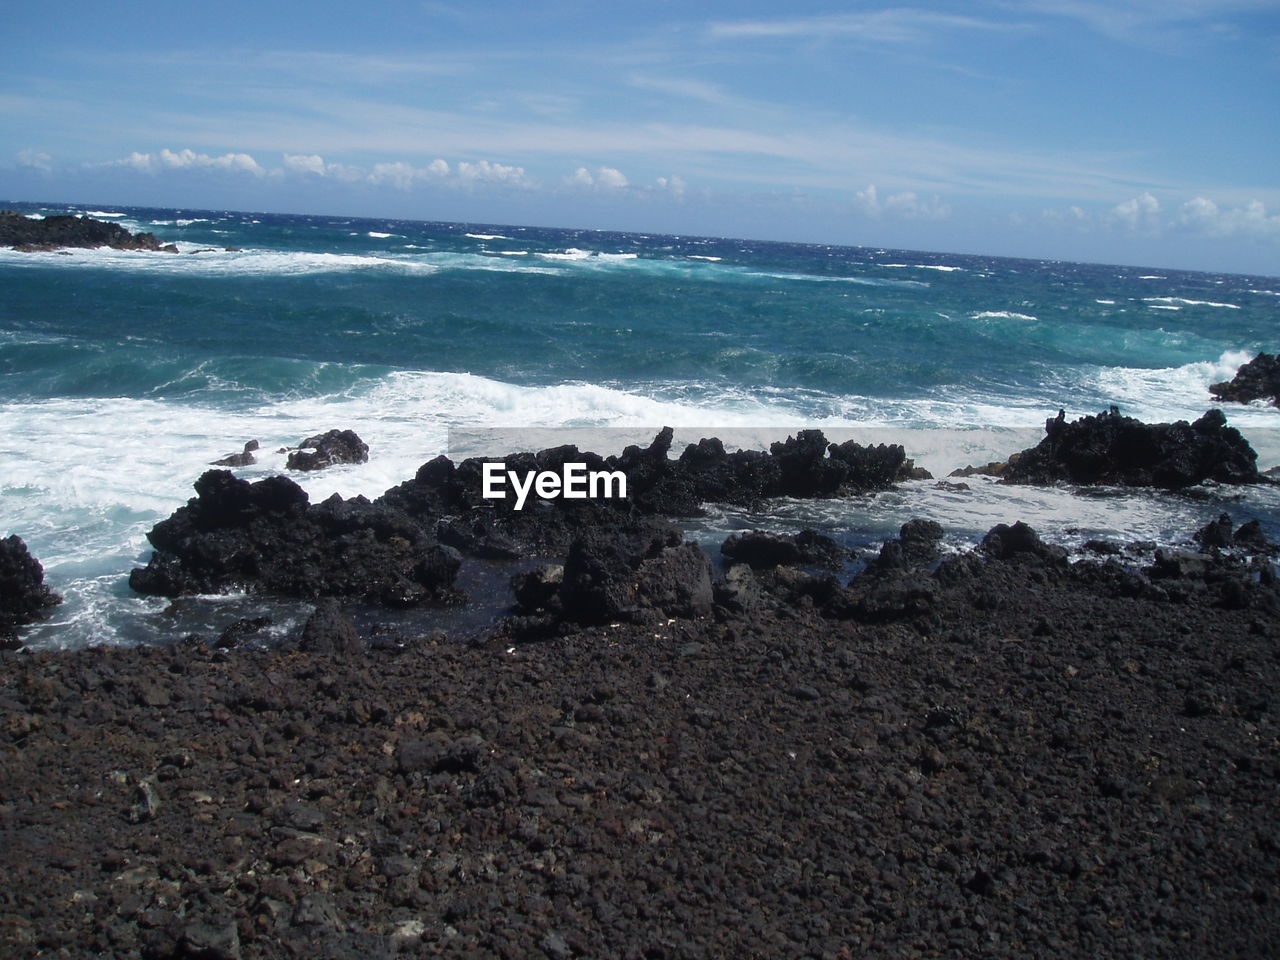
[1006, 756]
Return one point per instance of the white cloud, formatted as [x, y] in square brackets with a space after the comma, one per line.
[604, 178]
[167, 159]
[904, 206]
[1139, 215]
[1201, 215]
[483, 171]
[902, 25]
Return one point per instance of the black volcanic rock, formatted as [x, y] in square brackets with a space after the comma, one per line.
[23, 596]
[1112, 449]
[243, 459]
[762, 550]
[1259, 379]
[404, 548]
[265, 537]
[50, 233]
[327, 449]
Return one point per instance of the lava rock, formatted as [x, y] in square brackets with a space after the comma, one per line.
[265, 537]
[329, 630]
[243, 459]
[327, 449]
[23, 596]
[31, 235]
[1115, 450]
[1259, 379]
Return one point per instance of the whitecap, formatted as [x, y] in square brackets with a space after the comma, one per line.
[921, 266]
[103, 213]
[1191, 303]
[486, 236]
[380, 236]
[1002, 315]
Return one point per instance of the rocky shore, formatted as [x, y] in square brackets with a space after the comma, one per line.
[991, 753]
[33, 235]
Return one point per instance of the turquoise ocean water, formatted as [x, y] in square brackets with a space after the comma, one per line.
[125, 373]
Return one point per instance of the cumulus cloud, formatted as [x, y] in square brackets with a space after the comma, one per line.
[604, 178]
[1201, 215]
[315, 166]
[905, 206]
[167, 159]
[1140, 214]
[483, 171]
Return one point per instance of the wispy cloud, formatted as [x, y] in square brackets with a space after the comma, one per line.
[895, 25]
[1142, 22]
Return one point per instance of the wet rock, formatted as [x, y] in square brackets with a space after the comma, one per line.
[241, 630]
[51, 233]
[1259, 379]
[24, 598]
[1020, 542]
[1112, 449]
[243, 459]
[265, 537]
[1217, 534]
[761, 550]
[918, 544]
[327, 449]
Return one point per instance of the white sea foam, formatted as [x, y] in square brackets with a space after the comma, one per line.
[921, 266]
[1164, 306]
[694, 256]
[103, 213]
[486, 236]
[1151, 276]
[1191, 303]
[380, 236]
[1001, 315]
[1109, 303]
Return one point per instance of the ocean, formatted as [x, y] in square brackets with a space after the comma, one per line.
[126, 373]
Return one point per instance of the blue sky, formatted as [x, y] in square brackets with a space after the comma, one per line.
[1144, 132]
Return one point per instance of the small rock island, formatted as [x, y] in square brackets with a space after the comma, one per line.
[32, 235]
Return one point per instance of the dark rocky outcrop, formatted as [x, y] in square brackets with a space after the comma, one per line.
[265, 537]
[243, 459]
[1259, 379]
[24, 598]
[404, 548]
[1116, 450]
[31, 235]
[762, 550]
[327, 449]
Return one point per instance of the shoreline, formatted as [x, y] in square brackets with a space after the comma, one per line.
[990, 753]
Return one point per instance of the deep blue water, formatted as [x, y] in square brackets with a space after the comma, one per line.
[123, 374]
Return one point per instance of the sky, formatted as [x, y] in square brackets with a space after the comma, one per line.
[1143, 132]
